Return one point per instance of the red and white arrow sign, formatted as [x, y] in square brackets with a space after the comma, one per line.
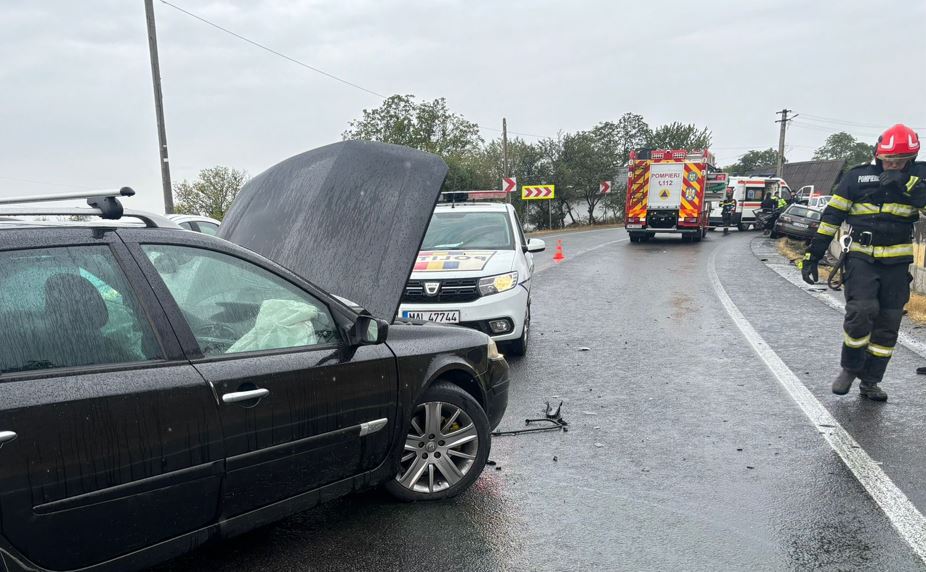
[605, 187]
[531, 192]
[509, 184]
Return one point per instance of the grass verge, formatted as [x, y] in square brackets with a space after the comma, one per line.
[793, 250]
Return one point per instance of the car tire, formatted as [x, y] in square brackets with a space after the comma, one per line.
[742, 227]
[423, 460]
[518, 347]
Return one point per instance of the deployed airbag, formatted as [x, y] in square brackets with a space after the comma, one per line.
[279, 324]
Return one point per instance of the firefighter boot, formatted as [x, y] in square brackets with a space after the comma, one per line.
[843, 382]
[872, 391]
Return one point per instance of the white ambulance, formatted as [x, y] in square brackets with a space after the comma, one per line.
[749, 192]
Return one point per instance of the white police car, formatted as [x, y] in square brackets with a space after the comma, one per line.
[474, 269]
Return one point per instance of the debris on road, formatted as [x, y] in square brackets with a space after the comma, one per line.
[584, 349]
[551, 421]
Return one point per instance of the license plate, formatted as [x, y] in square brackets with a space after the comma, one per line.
[443, 317]
[799, 224]
[634, 226]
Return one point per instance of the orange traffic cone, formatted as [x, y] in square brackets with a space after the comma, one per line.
[558, 257]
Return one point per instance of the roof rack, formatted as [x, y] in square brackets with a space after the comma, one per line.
[104, 204]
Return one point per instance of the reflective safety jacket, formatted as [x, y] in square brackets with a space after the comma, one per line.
[728, 205]
[881, 218]
[782, 203]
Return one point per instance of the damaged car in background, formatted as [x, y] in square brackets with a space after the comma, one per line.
[160, 389]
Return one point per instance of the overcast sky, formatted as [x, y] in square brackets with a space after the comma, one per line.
[77, 106]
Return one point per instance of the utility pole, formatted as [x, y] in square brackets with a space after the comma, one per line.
[505, 152]
[781, 138]
[159, 107]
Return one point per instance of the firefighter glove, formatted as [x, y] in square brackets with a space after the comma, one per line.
[894, 179]
[809, 271]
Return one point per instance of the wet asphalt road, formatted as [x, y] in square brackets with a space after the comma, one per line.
[683, 450]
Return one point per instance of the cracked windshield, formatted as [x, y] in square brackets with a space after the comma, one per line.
[309, 285]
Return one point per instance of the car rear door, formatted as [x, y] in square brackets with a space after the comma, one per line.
[301, 409]
[112, 440]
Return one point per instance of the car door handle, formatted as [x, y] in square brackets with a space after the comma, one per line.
[6, 437]
[239, 396]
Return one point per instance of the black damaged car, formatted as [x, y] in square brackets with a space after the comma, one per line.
[160, 389]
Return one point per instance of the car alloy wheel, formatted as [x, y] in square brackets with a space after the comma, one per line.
[446, 445]
[440, 448]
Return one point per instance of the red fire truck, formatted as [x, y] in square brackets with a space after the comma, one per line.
[665, 193]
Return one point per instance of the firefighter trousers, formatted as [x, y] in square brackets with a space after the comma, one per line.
[876, 294]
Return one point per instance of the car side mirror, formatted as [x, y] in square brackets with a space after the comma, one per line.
[535, 245]
[368, 331]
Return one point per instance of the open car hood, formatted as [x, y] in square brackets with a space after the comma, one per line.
[349, 217]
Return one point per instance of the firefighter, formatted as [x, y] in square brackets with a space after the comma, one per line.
[782, 203]
[727, 206]
[880, 202]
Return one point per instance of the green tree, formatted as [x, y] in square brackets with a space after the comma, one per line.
[754, 160]
[623, 136]
[429, 126]
[211, 193]
[677, 135]
[844, 146]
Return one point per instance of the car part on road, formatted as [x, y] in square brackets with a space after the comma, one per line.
[446, 447]
[551, 421]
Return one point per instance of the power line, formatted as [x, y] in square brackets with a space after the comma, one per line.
[311, 67]
[846, 122]
[832, 131]
[274, 52]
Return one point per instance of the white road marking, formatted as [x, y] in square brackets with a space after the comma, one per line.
[580, 253]
[903, 338]
[905, 518]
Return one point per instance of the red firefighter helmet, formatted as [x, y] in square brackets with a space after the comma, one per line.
[898, 142]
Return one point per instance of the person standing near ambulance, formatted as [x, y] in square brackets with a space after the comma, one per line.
[881, 203]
